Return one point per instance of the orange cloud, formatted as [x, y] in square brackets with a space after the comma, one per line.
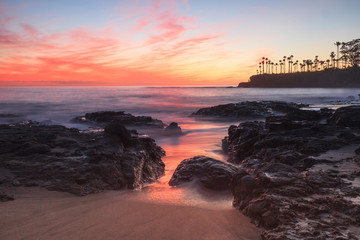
[164, 55]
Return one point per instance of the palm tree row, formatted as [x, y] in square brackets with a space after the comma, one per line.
[350, 57]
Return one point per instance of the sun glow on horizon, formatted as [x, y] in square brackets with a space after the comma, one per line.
[132, 42]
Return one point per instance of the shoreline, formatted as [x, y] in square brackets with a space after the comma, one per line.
[115, 215]
[329, 78]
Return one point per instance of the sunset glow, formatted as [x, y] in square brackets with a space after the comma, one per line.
[158, 42]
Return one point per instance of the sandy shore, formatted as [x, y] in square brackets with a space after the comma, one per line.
[41, 214]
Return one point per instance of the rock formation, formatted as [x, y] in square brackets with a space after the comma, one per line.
[79, 162]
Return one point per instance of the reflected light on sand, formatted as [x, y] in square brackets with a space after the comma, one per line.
[200, 138]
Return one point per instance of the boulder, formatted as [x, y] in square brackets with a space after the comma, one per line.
[173, 129]
[346, 116]
[285, 187]
[5, 197]
[211, 173]
[249, 109]
[120, 117]
[65, 159]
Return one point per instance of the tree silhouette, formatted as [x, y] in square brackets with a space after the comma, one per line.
[351, 51]
[338, 57]
[350, 57]
[332, 57]
[328, 62]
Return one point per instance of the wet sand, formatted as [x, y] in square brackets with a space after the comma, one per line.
[41, 214]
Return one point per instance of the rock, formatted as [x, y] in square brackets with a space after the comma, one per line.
[5, 197]
[346, 116]
[249, 109]
[239, 143]
[211, 173]
[310, 138]
[284, 187]
[16, 182]
[173, 129]
[118, 131]
[106, 117]
[65, 159]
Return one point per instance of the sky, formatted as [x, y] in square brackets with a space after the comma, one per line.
[163, 42]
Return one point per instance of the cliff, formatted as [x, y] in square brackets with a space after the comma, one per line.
[329, 78]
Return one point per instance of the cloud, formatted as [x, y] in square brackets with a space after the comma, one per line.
[157, 45]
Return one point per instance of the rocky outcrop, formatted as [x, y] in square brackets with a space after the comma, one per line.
[145, 123]
[173, 129]
[291, 204]
[347, 116]
[304, 134]
[106, 117]
[287, 186]
[63, 159]
[211, 173]
[5, 197]
[249, 109]
[328, 78]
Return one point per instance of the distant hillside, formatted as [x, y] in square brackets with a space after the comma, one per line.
[329, 78]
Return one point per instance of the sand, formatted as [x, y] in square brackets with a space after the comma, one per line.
[41, 214]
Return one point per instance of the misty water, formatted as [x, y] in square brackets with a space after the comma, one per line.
[58, 105]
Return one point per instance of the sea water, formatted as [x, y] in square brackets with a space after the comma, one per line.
[58, 105]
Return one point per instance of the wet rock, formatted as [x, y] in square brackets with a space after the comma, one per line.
[120, 117]
[249, 109]
[211, 173]
[249, 139]
[118, 131]
[65, 159]
[347, 116]
[173, 129]
[5, 197]
[283, 187]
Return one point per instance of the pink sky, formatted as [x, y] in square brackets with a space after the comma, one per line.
[129, 43]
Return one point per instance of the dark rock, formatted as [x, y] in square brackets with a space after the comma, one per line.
[250, 139]
[5, 197]
[106, 117]
[347, 116]
[63, 159]
[357, 151]
[249, 109]
[211, 173]
[117, 130]
[173, 129]
[284, 187]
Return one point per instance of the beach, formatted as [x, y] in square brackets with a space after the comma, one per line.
[41, 214]
[154, 210]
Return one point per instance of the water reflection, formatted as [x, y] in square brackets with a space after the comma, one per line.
[199, 138]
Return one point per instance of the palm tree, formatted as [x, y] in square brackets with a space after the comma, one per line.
[309, 64]
[266, 66]
[332, 57]
[280, 63]
[296, 65]
[338, 56]
[276, 67]
[284, 60]
[316, 62]
[290, 62]
[328, 61]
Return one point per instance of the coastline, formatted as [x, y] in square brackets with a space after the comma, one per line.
[329, 78]
[115, 215]
[144, 210]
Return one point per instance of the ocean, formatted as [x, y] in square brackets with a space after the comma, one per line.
[58, 105]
